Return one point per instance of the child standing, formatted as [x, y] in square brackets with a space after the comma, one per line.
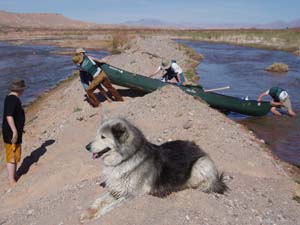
[12, 127]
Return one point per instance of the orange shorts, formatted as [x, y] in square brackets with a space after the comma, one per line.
[13, 153]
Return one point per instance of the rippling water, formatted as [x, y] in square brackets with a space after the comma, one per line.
[39, 66]
[242, 68]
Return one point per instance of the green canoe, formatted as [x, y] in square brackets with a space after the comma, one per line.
[222, 102]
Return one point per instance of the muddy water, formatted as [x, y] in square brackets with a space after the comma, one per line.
[242, 69]
[39, 66]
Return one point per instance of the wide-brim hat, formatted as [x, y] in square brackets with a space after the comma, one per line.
[80, 50]
[77, 59]
[165, 64]
[18, 85]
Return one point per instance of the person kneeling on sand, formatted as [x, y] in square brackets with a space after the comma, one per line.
[171, 70]
[13, 127]
[87, 64]
[280, 99]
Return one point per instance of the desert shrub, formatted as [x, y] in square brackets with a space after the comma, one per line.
[119, 40]
[191, 52]
[296, 198]
[278, 68]
[296, 52]
[192, 76]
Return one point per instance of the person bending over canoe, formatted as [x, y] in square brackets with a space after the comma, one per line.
[280, 99]
[171, 70]
[86, 79]
[87, 64]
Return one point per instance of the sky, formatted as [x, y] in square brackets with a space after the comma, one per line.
[172, 11]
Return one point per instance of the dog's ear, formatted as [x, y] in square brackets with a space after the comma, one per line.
[120, 132]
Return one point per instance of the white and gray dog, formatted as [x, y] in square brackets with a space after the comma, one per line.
[133, 166]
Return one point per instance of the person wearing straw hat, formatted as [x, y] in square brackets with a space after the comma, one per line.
[87, 64]
[280, 99]
[13, 127]
[171, 70]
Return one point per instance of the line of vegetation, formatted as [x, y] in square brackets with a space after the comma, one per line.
[284, 39]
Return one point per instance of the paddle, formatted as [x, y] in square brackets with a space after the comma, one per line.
[216, 89]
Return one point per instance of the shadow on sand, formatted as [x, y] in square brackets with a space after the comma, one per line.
[34, 157]
[124, 92]
[131, 93]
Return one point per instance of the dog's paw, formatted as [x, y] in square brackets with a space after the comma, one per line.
[103, 184]
[89, 214]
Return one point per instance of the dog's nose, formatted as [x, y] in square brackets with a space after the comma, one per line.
[88, 147]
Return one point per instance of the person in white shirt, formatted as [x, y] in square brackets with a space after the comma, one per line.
[171, 70]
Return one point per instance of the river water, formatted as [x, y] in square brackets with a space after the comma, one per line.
[242, 68]
[40, 67]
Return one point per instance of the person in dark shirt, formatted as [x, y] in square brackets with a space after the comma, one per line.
[13, 127]
[280, 99]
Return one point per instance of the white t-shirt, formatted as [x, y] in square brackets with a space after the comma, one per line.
[176, 68]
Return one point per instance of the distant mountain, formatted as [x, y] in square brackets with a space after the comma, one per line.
[281, 24]
[41, 20]
[295, 23]
[274, 25]
[154, 23]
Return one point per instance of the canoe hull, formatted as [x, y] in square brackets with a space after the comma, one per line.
[229, 103]
[215, 100]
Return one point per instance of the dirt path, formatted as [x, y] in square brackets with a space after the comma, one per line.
[60, 180]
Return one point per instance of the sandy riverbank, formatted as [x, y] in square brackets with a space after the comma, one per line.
[60, 179]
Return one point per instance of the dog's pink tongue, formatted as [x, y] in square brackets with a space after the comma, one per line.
[94, 155]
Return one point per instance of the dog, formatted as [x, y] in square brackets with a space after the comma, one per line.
[133, 166]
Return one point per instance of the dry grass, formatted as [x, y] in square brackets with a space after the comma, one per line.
[285, 39]
[120, 41]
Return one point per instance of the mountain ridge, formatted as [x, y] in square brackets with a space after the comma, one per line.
[41, 20]
[150, 22]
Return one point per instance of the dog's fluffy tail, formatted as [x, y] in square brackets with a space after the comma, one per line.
[204, 175]
[219, 185]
